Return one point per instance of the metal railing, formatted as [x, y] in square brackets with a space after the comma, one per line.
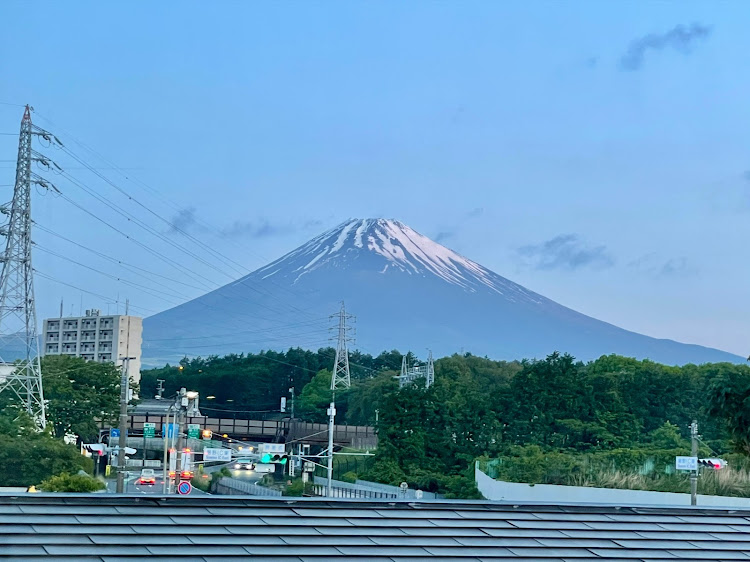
[232, 486]
[265, 429]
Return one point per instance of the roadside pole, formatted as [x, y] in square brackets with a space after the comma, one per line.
[331, 415]
[123, 426]
[165, 433]
[694, 453]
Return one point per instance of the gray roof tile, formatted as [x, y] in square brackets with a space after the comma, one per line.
[469, 551]
[96, 549]
[720, 554]
[102, 527]
[383, 551]
[23, 550]
[556, 552]
[633, 553]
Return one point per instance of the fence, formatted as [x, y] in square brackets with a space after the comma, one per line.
[343, 464]
[346, 490]
[497, 490]
[369, 490]
[232, 486]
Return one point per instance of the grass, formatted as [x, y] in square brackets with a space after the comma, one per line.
[650, 473]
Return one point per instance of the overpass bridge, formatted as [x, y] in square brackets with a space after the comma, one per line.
[276, 431]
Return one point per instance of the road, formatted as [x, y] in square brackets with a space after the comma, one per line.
[241, 449]
[133, 487]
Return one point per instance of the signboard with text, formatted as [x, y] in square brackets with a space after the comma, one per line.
[217, 455]
[193, 431]
[149, 429]
[686, 463]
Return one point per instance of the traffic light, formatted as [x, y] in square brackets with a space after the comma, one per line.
[95, 449]
[713, 464]
[207, 434]
[274, 458]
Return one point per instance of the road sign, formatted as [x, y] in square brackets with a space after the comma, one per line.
[114, 432]
[170, 429]
[149, 429]
[217, 455]
[272, 448]
[686, 463]
[184, 488]
[194, 430]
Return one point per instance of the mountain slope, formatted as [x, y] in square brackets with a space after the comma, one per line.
[407, 291]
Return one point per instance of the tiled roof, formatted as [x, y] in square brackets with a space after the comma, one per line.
[111, 528]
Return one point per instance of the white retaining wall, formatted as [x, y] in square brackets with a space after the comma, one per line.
[497, 490]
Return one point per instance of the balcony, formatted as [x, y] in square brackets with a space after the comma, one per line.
[53, 337]
[105, 335]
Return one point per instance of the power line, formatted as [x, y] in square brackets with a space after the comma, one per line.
[160, 255]
[106, 299]
[156, 193]
[109, 275]
[115, 260]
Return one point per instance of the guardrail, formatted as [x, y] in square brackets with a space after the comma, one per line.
[368, 490]
[234, 487]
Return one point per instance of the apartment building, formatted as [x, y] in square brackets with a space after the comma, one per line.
[96, 338]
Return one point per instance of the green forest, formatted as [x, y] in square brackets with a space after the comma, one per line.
[484, 409]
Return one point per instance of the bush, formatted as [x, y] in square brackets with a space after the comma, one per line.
[27, 460]
[71, 483]
[297, 488]
[350, 477]
[203, 484]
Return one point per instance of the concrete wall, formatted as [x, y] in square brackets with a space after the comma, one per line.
[497, 490]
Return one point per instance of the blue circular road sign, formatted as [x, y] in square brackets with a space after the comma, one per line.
[184, 488]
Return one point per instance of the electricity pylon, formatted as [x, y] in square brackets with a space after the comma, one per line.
[17, 303]
[341, 378]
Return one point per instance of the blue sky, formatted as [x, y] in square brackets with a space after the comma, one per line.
[595, 152]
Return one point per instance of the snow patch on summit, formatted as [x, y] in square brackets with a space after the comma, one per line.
[403, 249]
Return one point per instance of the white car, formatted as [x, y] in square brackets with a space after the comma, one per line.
[148, 476]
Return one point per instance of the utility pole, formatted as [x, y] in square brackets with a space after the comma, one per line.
[17, 302]
[291, 391]
[123, 440]
[694, 453]
[331, 415]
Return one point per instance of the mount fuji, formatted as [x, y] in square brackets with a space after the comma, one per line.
[407, 292]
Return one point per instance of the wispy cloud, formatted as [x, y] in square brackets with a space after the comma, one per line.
[264, 228]
[680, 38]
[659, 267]
[444, 235]
[185, 220]
[566, 252]
[475, 213]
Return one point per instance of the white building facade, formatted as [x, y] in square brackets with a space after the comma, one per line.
[95, 337]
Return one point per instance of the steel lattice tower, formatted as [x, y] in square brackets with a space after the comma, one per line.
[17, 304]
[341, 378]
